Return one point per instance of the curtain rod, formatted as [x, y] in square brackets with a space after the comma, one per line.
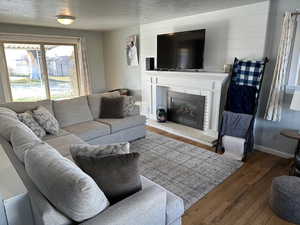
[295, 13]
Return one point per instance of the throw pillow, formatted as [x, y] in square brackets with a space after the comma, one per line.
[129, 106]
[116, 175]
[46, 120]
[22, 140]
[95, 102]
[64, 184]
[112, 107]
[30, 122]
[99, 150]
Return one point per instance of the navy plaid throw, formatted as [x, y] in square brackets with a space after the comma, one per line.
[248, 72]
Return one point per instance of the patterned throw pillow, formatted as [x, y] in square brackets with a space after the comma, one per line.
[97, 150]
[29, 121]
[46, 120]
[129, 106]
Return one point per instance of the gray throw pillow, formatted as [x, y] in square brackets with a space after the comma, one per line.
[45, 118]
[29, 121]
[112, 107]
[64, 184]
[94, 101]
[116, 175]
[99, 150]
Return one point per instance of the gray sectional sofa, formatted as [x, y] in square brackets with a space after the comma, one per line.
[80, 123]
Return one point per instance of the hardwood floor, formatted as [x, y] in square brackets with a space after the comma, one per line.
[242, 199]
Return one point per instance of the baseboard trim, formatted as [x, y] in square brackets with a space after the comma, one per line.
[273, 151]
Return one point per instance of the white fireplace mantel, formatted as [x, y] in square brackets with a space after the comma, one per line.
[208, 84]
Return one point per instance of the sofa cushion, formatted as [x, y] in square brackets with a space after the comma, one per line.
[62, 143]
[46, 119]
[29, 121]
[95, 102]
[89, 130]
[112, 107]
[20, 107]
[51, 136]
[175, 205]
[64, 184]
[22, 140]
[72, 111]
[117, 174]
[123, 123]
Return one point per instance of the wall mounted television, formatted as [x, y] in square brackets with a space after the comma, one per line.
[181, 50]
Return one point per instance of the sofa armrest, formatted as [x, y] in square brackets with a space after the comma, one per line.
[146, 207]
[3, 219]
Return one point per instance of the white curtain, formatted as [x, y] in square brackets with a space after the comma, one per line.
[85, 83]
[274, 106]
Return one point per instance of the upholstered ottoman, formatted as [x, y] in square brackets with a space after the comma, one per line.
[285, 198]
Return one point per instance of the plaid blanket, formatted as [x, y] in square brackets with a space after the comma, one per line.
[248, 72]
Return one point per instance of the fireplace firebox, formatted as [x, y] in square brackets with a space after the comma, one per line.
[186, 109]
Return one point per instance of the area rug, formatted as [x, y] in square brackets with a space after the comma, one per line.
[186, 170]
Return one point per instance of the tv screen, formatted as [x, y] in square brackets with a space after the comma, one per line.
[181, 50]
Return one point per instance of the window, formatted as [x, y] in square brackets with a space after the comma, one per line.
[37, 71]
[62, 71]
[25, 71]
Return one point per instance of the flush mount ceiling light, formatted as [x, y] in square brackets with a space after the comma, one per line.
[65, 19]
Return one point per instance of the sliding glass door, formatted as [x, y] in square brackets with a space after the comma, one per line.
[41, 71]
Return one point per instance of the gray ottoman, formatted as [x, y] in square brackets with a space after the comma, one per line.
[285, 198]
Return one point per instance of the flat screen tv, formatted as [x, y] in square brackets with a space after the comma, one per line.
[181, 50]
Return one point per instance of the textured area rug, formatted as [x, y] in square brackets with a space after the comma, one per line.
[186, 170]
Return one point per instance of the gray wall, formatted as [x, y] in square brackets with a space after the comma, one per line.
[118, 73]
[94, 48]
[268, 133]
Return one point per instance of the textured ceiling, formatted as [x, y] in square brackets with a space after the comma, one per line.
[106, 14]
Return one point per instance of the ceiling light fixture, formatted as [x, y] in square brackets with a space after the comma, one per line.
[65, 19]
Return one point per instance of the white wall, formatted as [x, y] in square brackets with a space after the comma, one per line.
[94, 48]
[118, 73]
[235, 32]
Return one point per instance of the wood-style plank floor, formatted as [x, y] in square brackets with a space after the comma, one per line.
[242, 199]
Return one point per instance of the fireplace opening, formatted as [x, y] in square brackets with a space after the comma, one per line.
[186, 109]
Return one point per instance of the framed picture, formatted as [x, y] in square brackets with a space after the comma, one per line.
[132, 51]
